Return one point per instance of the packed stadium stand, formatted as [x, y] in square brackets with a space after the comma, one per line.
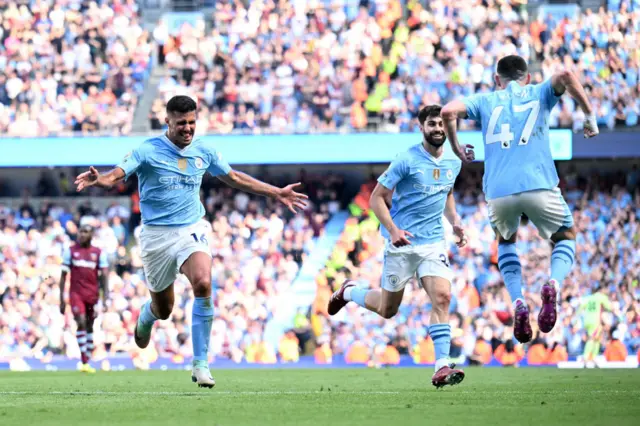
[71, 67]
[108, 67]
[102, 67]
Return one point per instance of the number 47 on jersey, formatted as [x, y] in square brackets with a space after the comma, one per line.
[506, 136]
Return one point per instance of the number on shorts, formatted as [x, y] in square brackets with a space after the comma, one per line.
[506, 136]
[443, 259]
[202, 239]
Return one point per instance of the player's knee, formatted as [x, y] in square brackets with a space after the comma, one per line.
[389, 311]
[201, 283]
[163, 311]
[442, 299]
[511, 240]
[564, 234]
[81, 323]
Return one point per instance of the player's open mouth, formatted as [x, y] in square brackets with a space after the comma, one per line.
[438, 136]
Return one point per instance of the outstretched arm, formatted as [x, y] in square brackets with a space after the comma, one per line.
[103, 180]
[286, 195]
[450, 114]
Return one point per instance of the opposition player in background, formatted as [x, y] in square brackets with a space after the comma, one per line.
[420, 183]
[520, 176]
[88, 270]
[591, 310]
[174, 236]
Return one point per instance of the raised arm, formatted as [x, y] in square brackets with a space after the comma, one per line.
[286, 195]
[567, 81]
[103, 180]
[450, 113]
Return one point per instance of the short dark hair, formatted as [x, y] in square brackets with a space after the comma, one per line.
[427, 112]
[512, 68]
[181, 104]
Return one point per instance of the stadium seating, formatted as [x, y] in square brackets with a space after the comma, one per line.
[285, 67]
[68, 69]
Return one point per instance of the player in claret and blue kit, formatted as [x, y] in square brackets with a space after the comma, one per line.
[174, 236]
[88, 269]
[420, 182]
[520, 176]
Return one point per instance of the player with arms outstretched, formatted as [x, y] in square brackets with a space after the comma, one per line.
[520, 176]
[87, 267]
[173, 239]
[420, 183]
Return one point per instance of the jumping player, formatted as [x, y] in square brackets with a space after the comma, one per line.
[420, 183]
[86, 265]
[520, 176]
[173, 239]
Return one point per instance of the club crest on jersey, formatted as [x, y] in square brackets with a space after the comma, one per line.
[394, 279]
[199, 163]
[182, 163]
[94, 256]
[436, 174]
[449, 174]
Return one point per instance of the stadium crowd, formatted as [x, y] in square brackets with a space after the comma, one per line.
[70, 66]
[607, 216]
[283, 66]
[257, 247]
[294, 67]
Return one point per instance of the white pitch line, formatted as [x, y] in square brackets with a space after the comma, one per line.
[203, 392]
[325, 392]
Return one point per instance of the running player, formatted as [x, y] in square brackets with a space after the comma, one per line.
[520, 176]
[420, 184]
[86, 265]
[173, 239]
[591, 311]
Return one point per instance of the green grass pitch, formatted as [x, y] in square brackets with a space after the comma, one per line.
[324, 397]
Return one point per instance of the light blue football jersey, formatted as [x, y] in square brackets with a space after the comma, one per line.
[422, 183]
[169, 179]
[515, 129]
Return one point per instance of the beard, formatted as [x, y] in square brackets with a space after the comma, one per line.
[429, 137]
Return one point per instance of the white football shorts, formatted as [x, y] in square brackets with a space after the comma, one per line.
[544, 207]
[165, 248]
[403, 263]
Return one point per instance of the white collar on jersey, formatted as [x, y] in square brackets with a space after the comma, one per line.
[172, 145]
[435, 159]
